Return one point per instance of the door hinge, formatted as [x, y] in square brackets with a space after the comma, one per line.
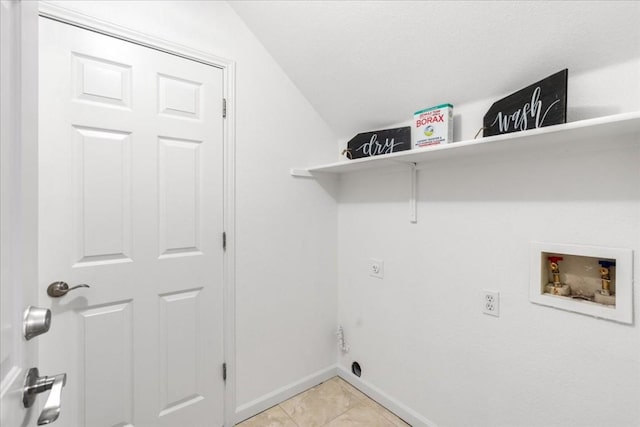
[224, 372]
[224, 108]
[224, 240]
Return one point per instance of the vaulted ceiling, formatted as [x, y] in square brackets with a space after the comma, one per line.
[364, 65]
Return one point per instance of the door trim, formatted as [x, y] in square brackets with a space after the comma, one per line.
[67, 16]
[18, 204]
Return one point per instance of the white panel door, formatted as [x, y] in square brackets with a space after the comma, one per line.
[131, 178]
[18, 185]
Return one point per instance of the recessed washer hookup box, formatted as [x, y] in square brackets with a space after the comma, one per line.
[433, 126]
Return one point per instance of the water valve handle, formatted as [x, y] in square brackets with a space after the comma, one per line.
[606, 263]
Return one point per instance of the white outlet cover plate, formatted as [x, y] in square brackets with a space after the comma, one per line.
[376, 268]
[491, 303]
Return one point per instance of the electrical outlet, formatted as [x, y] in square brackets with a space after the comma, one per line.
[491, 303]
[376, 268]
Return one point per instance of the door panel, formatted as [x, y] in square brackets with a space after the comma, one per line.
[18, 210]
[131, 195]
[180, 348]
[101, 81]
[107, 343]
[102, 203]
[180, 163]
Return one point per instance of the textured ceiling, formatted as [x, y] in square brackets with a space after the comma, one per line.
[367, 64]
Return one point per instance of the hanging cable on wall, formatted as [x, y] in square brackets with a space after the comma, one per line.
[341, 341]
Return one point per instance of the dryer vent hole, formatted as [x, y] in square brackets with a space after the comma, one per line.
[355, 368]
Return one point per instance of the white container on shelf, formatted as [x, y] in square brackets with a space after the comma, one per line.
[433, 126]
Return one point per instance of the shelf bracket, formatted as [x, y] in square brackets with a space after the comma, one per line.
[413, 205]
[301, 173]
[413, 195]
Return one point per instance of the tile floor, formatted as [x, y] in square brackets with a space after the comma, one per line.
[334, 403]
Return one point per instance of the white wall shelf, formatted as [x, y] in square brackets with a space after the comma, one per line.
[580, 135]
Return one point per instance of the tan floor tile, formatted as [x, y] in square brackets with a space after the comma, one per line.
[384, 411]
[274, 417]
[349, 387]
[390, 416]
[319, 405]
[361, 415]
[335, 402]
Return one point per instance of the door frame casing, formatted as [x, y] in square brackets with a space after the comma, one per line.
[67, 16]
[18, 202]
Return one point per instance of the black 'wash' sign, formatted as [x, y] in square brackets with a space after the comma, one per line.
[379, 142]
[542, 104]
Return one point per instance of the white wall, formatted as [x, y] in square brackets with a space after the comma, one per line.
[285, 228]
[420, 334]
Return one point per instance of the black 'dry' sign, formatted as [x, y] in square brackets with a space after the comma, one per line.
[542, 104]
[379, 142]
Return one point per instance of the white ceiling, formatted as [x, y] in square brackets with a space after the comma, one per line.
[365, 65]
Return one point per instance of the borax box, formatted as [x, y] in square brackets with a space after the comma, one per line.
[433, 126]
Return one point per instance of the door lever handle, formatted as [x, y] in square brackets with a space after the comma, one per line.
[60, 289]
[35, 384]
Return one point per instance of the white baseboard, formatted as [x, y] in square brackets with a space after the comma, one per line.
[407, 414]
[258, 405]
